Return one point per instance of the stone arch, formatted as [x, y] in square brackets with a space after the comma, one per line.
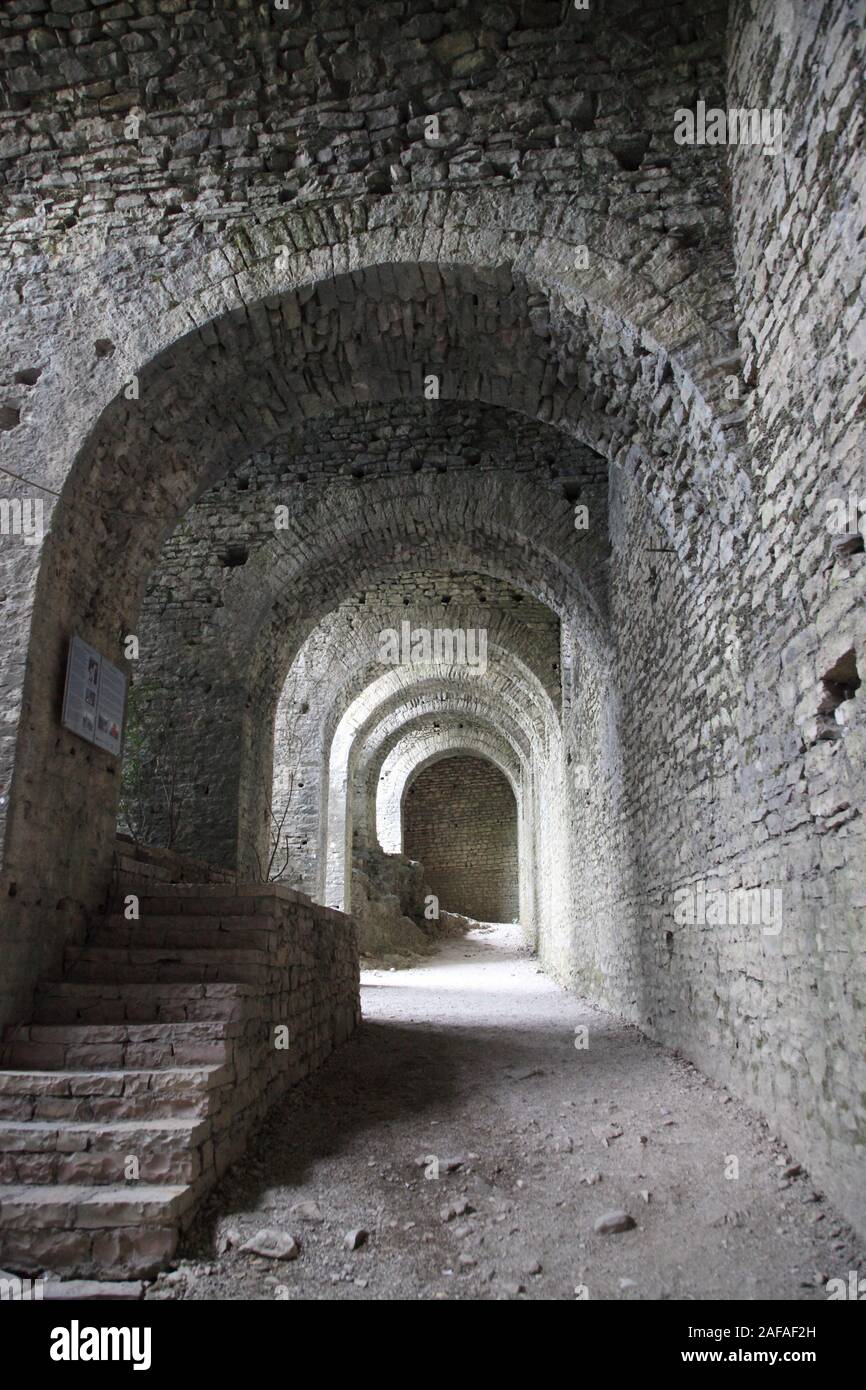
[377, 702]
[248, 266]
[188, 381]
[428, 714]
[514, 665]
[416, 746]
[536, 559]
[461, 818]
[404, 764]
[429, 724]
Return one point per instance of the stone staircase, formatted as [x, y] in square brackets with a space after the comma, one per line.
[147, 1063]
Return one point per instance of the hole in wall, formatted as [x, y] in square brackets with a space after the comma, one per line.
[234, 556]
[629, 152]
[840, 683]
[686, 236]
[851, 543]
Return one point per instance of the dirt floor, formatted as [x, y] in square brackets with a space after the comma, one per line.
[469, 1061]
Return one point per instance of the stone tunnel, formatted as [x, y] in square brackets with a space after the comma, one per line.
[452, 453]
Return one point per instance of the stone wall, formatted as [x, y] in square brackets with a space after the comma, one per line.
[156, 161]
[300, 102]
[388, 904]
[146, 866]
[460, 822]
[799, 229]
[728, 748]
[194, 1018]
[191, 636]
[282, 255]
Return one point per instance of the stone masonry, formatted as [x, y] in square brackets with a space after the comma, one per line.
[460, 822]
[164, 1041]
[325, 322]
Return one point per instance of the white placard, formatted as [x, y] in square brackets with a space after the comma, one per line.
[94, 698]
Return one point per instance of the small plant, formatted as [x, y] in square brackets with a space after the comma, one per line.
[278, 842]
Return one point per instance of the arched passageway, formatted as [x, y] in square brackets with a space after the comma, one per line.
[460, 822]
[454, 508]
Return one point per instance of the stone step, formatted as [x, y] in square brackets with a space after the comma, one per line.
[98, 1046]
[49, 1151]
[145, 863]
[156, 1044]
[171, 900]
[144, 871]
[174, 965]
[255, 931]
[73, 1001]
[208, 900]
[92, 1291]
[87, 1231]
[93, 1096]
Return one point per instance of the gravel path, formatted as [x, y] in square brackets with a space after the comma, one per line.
[470, 1060]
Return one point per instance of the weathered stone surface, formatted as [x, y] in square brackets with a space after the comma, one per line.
[70, 1201]
[232, 261]
[93, 1290]
[614, 1223]
[272, 1244]
[453, 803]
[353, 1240]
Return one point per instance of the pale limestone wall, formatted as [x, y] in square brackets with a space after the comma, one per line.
[281, 258]
[460, 822]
